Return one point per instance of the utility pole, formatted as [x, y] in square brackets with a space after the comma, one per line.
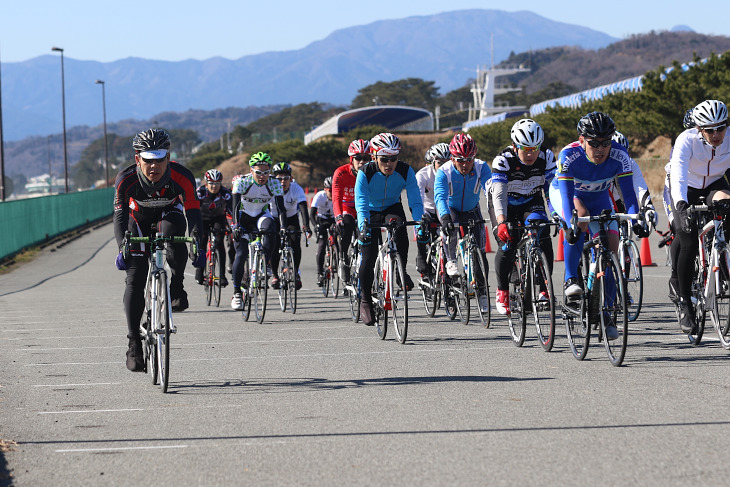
[2, 144]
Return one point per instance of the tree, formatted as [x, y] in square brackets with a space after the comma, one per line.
[412, 92]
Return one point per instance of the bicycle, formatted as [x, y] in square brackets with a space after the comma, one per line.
[711, 283]
[354, 292]
[531, 287]
[213, 271]
[288, 271]
[158, 326]
[258, 278]
[430, 280]
[630, 259]
[603, 300]
[331, 276]
[475, 269]
[389, 286]
[452, 289]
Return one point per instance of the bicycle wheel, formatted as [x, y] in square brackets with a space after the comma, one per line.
[150, 340]
[246, 291]
[429, 291]
[217, 273]
[480, 268]
[283, 280]
[518, 316]
[461, 291]
[697, 293]
[208, 279]
[630, 260]
[575, 316]
[326, 272]
[334, 274]
[399, 299]
[722, 298]
[292, 275]
[381, 314]
[260, 286]
[543, 310]
[354, 293]
[162, 330]
[613, 306]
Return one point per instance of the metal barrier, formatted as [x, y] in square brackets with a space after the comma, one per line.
[34, 220]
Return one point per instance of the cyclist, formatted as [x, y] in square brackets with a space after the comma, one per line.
[252, 195]
[322, 214]
[153, 191]
[215, 204]
[436, 156]
[456, 193]
[700, 157]
[521, 173]
[378, 200]
[586, 169]
[295, 202]
[343, 199]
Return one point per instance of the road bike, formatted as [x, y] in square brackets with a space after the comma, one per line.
[603, 301]
[213, 271]
[157, 328]
[288, 271]
[352, 288]
[331, 278]
[474, 266]
[630, 260]
[531, 286]
[429, 283]
[256, 288]
[389, 287]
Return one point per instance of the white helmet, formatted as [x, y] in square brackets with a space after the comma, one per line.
[621, 139]
[527, 132]
[385, 144]
[709, 112]
[438, 151]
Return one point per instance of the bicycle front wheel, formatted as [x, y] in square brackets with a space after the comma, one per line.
[283, 281]
[334, 273]
[162, 330]
[217, 273]
[575, 315]
[381, 314]
[208, 280]
[613, 307]
[461, 291]
[292, 275]
[698, 301]
[518, 315]
[428, 286]
[260, 287]
[399, 299]
[354, 293]
[543, 300]
[722, 298]
[630, 260]
[480, 271]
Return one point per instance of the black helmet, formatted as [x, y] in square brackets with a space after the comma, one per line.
[281, 168]
[596, 124]
[150, 140]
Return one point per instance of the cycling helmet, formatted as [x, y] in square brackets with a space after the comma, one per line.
[385, 144]
[358, 146]
[281, 168]
[596, 124]
[462, 145]
[328, 182]
[152, 143]
[621, 139]
[260, 158]
[527, 132]
[709, 112]
[213, 175]
[688, 122]
[438, 151]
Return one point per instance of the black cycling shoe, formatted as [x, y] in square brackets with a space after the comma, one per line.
[180, 304]
[135, 356]
[673, 290]
[687, 317]
[275, 284]
[366, 313]
[224, 281]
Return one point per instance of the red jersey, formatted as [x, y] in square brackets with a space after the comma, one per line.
[343, 191]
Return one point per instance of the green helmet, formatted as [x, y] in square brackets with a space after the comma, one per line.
[260, 158]
[281, 168]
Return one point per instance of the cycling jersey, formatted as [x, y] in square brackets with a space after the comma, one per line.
[641, 189]
[214, 205]
[515, 183]
[426, 178]
[696, 164]
[292, 198]
[374, 191]
[458, 191]
[323, 205]
[254, 197]
[343, 191]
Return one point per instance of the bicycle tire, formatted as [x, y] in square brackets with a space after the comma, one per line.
[722, 299]
[260, 287]
[208, 279]
[613, 305]
[480, 265]
[334, 273]
[150, 343]
[428, 289]
[162, 330]
[630, 260]
[399, 299]
[283, 280]
[246, 291]
[577, 327]
[354, 294]
[517, 318]
[325, 273]
[378, 294]
[293, 275]
[217, 273]
[542, 310]
[461, 291]
[697, 292]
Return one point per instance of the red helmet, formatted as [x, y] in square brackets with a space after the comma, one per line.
[462, 145]
[358, 146]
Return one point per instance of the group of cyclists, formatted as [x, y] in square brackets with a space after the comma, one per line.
[525, 182]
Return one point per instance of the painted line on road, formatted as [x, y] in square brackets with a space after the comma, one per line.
[92, 411]
[88, 450]
[91, 384]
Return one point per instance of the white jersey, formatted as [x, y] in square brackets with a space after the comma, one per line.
[425, 179]
[292, 198]
[696, 164]
[255, 198]
[323, 205]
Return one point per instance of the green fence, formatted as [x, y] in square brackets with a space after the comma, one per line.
[34, 220]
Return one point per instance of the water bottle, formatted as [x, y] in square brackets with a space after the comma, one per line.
[591, 275]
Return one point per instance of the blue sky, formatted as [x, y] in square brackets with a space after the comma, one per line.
[183, 29]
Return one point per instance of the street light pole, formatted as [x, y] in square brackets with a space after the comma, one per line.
[106, 147]
[63, 107]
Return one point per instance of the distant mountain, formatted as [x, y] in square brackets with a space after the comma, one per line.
[446, 47]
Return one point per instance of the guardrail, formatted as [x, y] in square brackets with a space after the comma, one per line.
[31, 221]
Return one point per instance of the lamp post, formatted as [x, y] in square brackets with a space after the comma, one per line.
[63, 107]
[106, 147]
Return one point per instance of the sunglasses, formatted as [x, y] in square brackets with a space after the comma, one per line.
[597, 143]
[462, 159]
[283, 178]
[528, 148]
[261, 173]
[388, 159]
[711, 130]
[361, 157]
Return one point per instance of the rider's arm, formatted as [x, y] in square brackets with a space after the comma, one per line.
[500, 179]
[640, 187]
[625, 178]
[441, 193]
[362, 199]
[121, 205]
[566, 184]
[236, 205]
[337, 193]
[415, 202]
[182, 176]
[679, 166]
[302, 208]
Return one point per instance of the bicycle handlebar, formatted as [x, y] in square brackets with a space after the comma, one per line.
[394, 224]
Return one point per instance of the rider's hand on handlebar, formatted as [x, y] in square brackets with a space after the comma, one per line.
[685, 221]
[503, 232]
[447, 224]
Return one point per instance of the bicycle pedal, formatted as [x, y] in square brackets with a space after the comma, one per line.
[173, 329]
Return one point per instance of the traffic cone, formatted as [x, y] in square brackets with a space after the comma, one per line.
[487, 243]
[559, 254]
[645, 253]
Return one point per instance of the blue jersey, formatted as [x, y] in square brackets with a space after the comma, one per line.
[578, 177]
[458, 191]
[374, 191]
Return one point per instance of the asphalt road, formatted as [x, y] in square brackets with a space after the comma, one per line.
[314, 399]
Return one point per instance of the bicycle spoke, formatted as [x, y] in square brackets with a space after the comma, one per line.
[613, 307]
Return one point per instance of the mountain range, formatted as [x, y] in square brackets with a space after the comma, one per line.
[446, 48]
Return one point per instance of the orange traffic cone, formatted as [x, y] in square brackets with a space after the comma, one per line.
[559, 254]
[645, 253]
[487, 243]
